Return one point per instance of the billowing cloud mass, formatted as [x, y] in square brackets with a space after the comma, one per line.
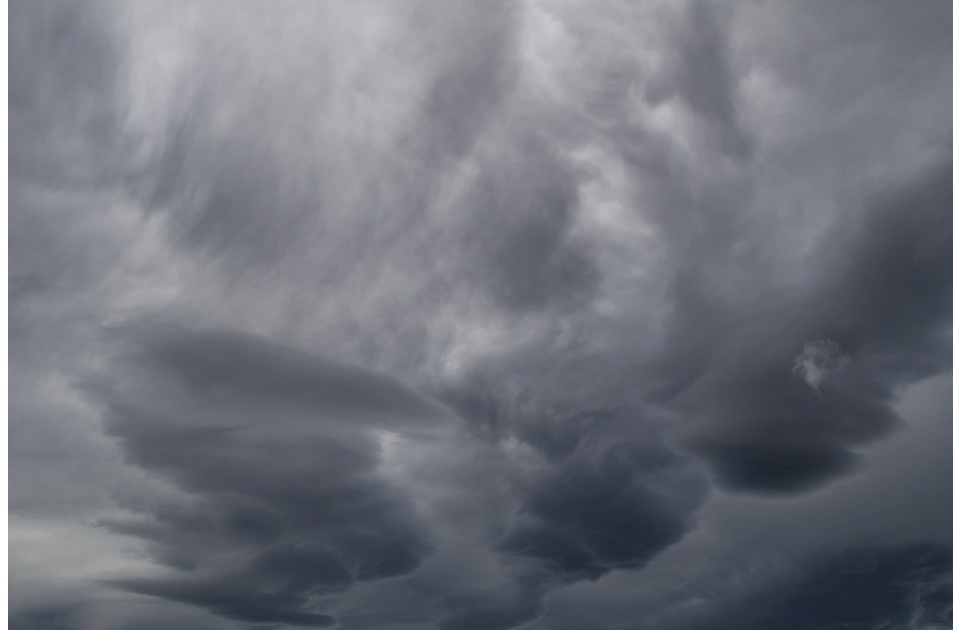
[479, 315]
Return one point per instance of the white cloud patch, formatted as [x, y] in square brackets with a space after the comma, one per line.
[818, 360]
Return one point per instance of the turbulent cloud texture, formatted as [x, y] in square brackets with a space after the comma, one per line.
[459, 315]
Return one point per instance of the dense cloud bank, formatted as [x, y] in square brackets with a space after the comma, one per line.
[479, 315]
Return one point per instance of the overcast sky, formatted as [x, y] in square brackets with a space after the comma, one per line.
[410, 315]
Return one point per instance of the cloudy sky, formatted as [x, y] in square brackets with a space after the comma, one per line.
[458, 315]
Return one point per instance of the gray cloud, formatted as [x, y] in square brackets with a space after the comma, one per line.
[780, 434]
[278, 453]
[703, 78]
[901, 587]
[63, 128]
[273, 451]
[615, 498]
[55, 617]
[477, 315]
[525, 259]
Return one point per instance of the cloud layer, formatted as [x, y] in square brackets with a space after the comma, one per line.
[475, 315]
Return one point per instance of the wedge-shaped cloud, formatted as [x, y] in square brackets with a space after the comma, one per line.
[275, 456]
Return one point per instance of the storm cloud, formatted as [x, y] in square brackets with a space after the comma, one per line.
[463, 315]
[277, 456]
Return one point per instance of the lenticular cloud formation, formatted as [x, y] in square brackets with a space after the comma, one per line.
[456, 315]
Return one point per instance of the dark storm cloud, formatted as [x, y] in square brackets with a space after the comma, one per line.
[634, 255]
[269, 446]
[282, 500]
[486, 612]
[614, 497]
[885, 304]
[272, 374]
[54, 618]
[603, 492]
[235, 600]
[867, 587]
[893, 298]
[879, 287]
